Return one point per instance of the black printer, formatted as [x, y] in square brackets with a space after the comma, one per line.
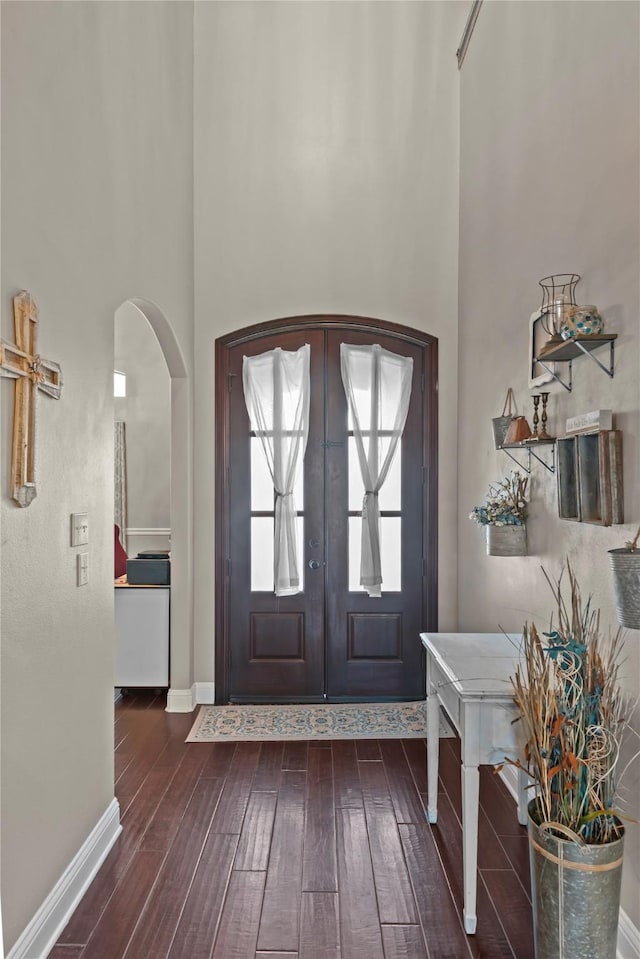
[149, 568]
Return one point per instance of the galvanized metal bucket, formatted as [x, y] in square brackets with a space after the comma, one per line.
[575, 892]
[625, 567]
[506, 540]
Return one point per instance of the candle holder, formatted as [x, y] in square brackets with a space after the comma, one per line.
[543, 419]
[536, 420]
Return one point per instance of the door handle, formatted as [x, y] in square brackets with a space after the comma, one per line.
[314, 543]
[314, 564]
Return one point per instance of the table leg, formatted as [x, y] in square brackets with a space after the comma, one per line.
[433, 748]
[523, 796]
[470, 800]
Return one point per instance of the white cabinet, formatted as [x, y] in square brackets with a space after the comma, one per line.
[142, 631]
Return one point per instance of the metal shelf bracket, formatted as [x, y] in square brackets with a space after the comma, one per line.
[568, 387]
[588, 353]
[550, 467]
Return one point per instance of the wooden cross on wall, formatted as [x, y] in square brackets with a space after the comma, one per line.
[31, 373]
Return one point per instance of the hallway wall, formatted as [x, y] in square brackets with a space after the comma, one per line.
[326, 143]
[96, 208]
[549, 183]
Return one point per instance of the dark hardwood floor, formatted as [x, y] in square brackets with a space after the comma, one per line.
[294, 851]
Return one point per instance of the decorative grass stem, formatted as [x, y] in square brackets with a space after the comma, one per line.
[566, 690]
[633, 545]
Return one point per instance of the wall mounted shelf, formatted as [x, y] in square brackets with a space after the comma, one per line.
[581, 345]
[531, 446]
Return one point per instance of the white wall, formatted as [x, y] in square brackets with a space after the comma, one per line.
[325, 138]
[146, 411]
[326, 180]
[548, 184]
[96, 208]
[326, 141]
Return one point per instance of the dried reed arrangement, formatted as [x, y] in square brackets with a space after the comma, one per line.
[572, 713]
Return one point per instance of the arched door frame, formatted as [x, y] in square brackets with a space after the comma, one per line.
[181, 666]
[316, 321]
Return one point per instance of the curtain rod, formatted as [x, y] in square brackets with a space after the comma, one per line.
[468, 30]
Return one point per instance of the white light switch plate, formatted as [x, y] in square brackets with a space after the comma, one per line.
[79, 529]
[82, 569]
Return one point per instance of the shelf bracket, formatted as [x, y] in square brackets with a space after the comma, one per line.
[588, 353]
[552, 373]
[550, 467]
[526, 468]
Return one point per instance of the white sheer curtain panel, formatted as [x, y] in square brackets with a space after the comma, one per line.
[276, 390]
[378, 387]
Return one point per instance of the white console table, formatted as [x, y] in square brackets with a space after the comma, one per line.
[142, 630]
[469, 674]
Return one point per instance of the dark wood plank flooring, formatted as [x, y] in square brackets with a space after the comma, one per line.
[314, 850]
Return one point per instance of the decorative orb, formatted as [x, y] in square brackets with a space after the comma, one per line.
[583, 320]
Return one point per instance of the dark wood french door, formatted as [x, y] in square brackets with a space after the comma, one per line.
[331, 640]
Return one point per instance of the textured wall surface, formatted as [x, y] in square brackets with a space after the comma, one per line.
[326, 181]
[541, 121]
[96, 208]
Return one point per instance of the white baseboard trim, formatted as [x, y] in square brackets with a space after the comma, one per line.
[38, 938]
[186, 700]
[628, 934]
[205, 693]
[181, 700]
[628, 938]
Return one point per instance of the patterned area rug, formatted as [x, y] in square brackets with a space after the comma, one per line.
[321, 721]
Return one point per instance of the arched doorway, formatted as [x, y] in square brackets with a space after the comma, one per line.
[331, 641]
[179, 696]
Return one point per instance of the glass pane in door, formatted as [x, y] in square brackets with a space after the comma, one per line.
[262, 552]
[390, 553]
[389, 497]
[262, 484]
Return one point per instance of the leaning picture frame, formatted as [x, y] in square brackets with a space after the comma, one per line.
[538, 336]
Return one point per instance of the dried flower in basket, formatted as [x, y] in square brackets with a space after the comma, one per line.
[505, 504]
